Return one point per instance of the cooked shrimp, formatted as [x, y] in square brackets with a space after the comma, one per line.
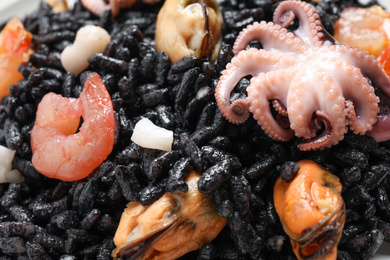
[15, 49]
[366, 28]
[170, 227]
[63, 151]
[312, 211]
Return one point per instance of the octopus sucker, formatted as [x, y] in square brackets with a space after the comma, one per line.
[268, 87]
[260, 62]
[313, 103]
[269, 35]
[310, 29]
[311, 210]
[324, 122]
[369, 67]
[279, 107]
[310, 68]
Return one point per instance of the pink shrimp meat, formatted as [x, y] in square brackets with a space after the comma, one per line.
[61, 149]
[15, 49]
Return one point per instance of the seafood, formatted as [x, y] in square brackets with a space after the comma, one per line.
[380, 129]
[366, 28]
[311, 210]
[52, 219]
[61, 149]
[187, 27]
[98, 7]
[89, 40]
[384, 60]
[58, 5]
[149, 135]
[15, 49]
[174, 225]
[318, 87]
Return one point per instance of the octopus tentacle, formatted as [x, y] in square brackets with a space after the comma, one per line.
[324, 139]
[362, 115]
[269, 35]
[316, 85]
[351, 113]
[282, 116]
[368, 64]
[279, 107]
[326, 99]
[251, 62]
[285, 19]
[380, 131]
[310, 29]
[264, 87]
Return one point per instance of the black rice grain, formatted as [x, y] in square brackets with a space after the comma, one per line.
[190, 148]
[100, 61]
[152, 193]
[214, 176]
[21, 213]
[20, 229]
[241, 192]
[36, 252]
[177, 174]
[50, 241]
[13, 245]
[288, 171]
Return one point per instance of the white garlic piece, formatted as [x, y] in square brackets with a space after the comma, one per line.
[148, 135]
[90, 40]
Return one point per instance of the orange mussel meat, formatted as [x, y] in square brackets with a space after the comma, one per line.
[172, 226]
[311, 210]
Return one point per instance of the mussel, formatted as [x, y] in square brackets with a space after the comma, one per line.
[189, 27]
[311, 210]
[172, 226]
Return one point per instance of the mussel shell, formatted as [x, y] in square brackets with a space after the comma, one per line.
[320, 241]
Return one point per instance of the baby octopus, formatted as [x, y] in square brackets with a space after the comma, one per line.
[320, 86]
[172, 226]
[312, 211]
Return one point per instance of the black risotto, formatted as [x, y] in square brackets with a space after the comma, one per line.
[44, 218]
